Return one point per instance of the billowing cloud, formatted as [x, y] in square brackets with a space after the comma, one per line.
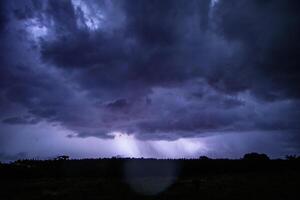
[157, 70]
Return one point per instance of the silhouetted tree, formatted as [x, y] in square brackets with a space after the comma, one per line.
[255, 156]
[204, 158]
[291, 157]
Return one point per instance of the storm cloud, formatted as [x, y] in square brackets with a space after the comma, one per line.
[157, 70]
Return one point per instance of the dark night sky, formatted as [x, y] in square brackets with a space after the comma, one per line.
[171, 78]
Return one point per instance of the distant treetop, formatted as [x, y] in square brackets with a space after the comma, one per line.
[204, 158]
[255, 156]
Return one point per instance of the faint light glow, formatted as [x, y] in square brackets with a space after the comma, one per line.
[213, 2]
[36, 29]
[184, 147]
[212, 6]
[37, 139]
[192, 146]
[127, 144]
[92, 16]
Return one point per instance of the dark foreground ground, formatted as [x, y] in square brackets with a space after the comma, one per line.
[150, 179]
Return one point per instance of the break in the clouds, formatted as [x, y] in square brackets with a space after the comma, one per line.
[155, 71]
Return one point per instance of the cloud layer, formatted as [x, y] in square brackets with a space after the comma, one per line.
[159, 70]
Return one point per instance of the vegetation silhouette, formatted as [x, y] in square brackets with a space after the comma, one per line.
[254, 176]
[292, 157]
[255, 156]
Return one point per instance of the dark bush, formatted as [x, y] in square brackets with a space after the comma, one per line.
[204, 158]
[255, 156]
[291, 157]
